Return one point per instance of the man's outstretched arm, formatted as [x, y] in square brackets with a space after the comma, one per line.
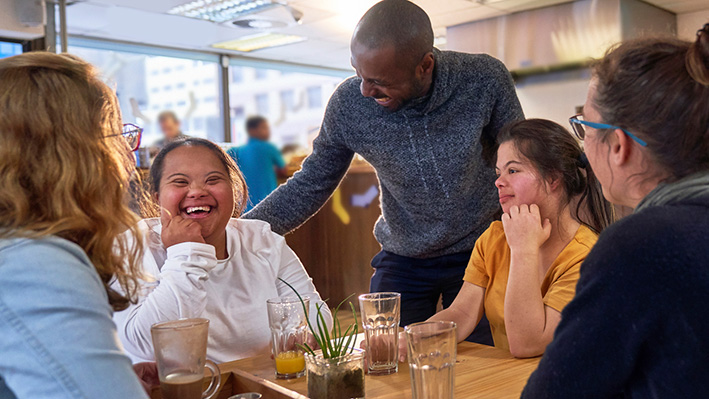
[294, 202]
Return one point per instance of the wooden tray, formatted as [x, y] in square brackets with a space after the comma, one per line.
[237, 381]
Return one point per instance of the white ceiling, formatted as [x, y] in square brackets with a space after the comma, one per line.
[328, 24]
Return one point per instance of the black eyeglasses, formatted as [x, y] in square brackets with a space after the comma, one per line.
[577, 123]
[132, 133]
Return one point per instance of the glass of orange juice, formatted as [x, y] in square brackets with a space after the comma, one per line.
[289, 326]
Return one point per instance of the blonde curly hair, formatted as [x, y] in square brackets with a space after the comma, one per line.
[64, 167]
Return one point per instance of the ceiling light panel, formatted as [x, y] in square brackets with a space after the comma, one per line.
[222, 10]
[260, 41]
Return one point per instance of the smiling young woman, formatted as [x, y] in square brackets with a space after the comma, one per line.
[203, 262]
[523, 269]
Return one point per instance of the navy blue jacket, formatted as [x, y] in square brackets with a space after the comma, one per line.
[639, 324]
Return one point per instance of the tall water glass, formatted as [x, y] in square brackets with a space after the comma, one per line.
[181, 356]
[381, 312]
[289, 327]
[432, 349]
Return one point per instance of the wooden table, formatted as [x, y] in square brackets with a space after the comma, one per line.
[480, 372]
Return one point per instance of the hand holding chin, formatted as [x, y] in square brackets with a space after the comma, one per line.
[176, 229]
[524, 228]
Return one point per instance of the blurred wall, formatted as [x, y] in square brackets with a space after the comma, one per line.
[689, 23]
[10, 26]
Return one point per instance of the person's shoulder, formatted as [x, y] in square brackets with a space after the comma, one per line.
[251, 227]
[48, 261]
[658, 239]
[494, 234]
[640, 229]
[585, 237]
[271, 146]
[346, 92]
[348, 85]
[42, 249]
[477, 64]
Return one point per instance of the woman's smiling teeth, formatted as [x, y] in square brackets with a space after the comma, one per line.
[198, 210]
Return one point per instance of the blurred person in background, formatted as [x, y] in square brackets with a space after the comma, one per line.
[170, 128]
[259, 161]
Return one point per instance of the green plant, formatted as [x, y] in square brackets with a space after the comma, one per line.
[340, 343]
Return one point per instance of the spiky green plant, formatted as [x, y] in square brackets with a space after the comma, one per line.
[340, 343]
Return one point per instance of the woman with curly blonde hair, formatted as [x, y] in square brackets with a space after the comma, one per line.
[64, 171]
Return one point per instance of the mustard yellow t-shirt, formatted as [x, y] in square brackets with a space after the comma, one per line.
[489, 268]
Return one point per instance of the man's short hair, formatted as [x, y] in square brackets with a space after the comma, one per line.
[254, 122]
[167, 115]
[399, 23]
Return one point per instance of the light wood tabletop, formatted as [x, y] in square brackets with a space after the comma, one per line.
[480, 372]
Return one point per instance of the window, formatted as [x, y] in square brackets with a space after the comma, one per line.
[157, 83]
[237, 74]
[238, 112]
[294, 102]
[288, 100]
[262, 104]
[315, 97]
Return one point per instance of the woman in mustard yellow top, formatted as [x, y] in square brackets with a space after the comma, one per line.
[523, 270]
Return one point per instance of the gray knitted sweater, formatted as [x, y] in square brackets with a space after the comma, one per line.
[437, 194]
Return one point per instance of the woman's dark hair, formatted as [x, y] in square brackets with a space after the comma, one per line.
[658, 89]
[236, 179]
[556, 155]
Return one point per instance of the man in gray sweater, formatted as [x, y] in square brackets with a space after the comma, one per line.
[423, 118]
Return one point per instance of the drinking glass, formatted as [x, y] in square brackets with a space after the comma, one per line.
[381, 312]
[432, 350]
[181, 356]
[289, 326]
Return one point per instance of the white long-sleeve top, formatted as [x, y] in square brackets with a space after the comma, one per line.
[187, 280]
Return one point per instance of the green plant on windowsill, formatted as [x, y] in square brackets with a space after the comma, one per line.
[334, 344]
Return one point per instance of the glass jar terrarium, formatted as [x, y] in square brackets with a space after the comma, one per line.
[335, 378]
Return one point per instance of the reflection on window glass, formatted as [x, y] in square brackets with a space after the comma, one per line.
[262, 104]
[315, 97]
[147, 85]
[237, 112]
[288, 100]
[293, 102]
[237, 74]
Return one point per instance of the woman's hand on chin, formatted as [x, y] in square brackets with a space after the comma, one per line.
[524, 228]
[176, 229]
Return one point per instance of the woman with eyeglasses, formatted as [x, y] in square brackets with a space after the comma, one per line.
[64, 168]
[638, 326]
